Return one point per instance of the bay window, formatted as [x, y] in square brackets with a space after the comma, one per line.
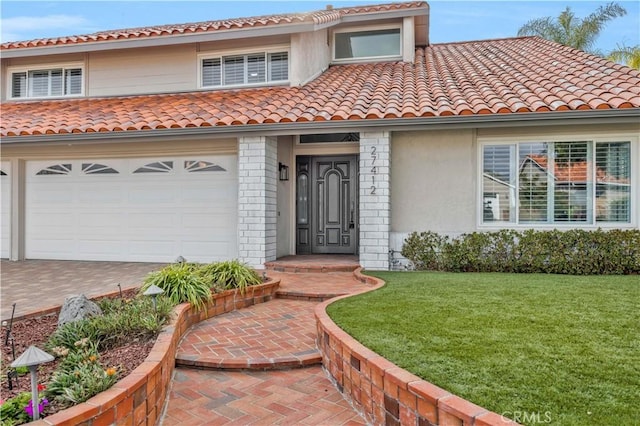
[537, 183]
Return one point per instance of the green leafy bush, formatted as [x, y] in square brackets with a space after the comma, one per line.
[575, 252]
[229, 275]
[122, 321]
[181, 283]
[67, 335]
[424, 249]
[80, 375]
[12, 410]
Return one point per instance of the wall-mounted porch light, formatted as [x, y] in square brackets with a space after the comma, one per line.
[283, 171]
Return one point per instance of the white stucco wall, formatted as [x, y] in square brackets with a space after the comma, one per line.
[309, 56]
[433, 181]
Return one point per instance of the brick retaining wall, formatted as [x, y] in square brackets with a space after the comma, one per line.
[385, 393]
[138, 398]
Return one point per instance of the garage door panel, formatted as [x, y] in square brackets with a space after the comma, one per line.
[55, 248]
[49, 194]
[156, 194]
[52, 221]
[163, 222]
[103, 220]
[99, 246]
[153, 216]
[102, 193]
[215, 251]
[153, 249]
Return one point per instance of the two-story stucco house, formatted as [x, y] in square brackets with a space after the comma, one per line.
[334, 131]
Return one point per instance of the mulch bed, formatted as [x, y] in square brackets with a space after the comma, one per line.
[36, 331]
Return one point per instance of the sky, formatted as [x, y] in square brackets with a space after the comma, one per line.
[450, 20]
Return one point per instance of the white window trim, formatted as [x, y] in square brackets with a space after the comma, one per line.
[266, 50]
[44, 67]
[634, 140]
[367, 58]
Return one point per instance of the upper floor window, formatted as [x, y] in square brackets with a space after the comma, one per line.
[574, 182]
[46, 82]
[245, 69]
[367, 43]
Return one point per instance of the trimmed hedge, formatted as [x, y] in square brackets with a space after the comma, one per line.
[574, 252]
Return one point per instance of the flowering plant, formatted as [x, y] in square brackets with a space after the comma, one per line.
[29, 408]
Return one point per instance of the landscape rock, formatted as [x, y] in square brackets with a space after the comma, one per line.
[77, 307]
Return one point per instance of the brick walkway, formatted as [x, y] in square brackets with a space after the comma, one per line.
[274, 336]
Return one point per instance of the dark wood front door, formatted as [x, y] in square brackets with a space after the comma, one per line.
[326, 205]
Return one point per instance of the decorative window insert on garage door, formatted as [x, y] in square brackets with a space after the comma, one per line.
[152, 209]
[576, 183]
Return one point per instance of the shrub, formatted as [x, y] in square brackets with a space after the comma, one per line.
[80, 375]
[231, 274]
[424, 249]
[12, 410]
[576, 252]
[180, 283]
[121, 321]
[126, 320]
[67, 335]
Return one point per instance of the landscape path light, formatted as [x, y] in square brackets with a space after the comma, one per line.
[32, 358]
[153, 291]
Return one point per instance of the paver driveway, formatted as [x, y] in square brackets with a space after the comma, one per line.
[39, 284]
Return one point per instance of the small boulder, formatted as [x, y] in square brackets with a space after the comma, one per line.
[77, 307]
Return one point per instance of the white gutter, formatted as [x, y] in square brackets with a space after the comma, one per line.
[611, 116]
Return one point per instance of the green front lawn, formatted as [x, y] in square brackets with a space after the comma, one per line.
[558, 347]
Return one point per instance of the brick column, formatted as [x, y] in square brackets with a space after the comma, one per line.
[375, 199]
[257, 186]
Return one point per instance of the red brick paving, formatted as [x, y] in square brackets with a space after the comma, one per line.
[35, 285]
[292, 397]
[268, 335]
[279, 332]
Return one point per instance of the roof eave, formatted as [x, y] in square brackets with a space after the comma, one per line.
[216, 35]
[166, 40]
[611, 116]
[389, 14]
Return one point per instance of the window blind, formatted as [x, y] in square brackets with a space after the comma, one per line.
[278, 66]
[533, 182]
[578, 182]
[211, 72]
[233, 70]
[613, 182]
[256, 68]
[19, 85]
[46, 83]
[498, 182]
[252, 68]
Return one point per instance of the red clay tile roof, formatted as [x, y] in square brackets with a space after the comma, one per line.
[517, 75]
[316, 17]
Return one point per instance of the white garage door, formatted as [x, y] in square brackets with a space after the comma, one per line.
[147, 210]
[5, 209]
